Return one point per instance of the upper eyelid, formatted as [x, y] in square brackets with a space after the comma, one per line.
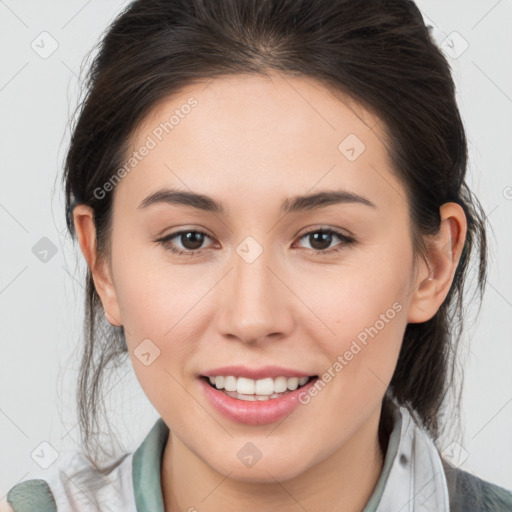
[336, 232]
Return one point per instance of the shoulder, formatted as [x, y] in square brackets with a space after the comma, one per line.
[470, 493]
[75, 484]
[30, 496]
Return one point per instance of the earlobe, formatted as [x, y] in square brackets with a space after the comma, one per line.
[437, 271]
[83, 219]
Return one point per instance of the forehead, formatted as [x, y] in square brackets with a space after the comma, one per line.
[251, 132]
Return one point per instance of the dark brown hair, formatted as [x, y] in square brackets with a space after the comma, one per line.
[380, 53]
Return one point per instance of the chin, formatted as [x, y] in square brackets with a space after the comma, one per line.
[265, 470]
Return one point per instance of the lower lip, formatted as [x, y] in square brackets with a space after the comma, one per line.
[254, 412]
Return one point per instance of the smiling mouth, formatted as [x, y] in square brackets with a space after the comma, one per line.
[242, 388]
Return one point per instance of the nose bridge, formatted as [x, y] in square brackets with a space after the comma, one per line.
[254, 305]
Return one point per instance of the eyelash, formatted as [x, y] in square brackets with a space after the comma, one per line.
[346, 241]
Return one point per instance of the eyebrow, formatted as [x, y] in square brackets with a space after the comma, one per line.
[293, 204]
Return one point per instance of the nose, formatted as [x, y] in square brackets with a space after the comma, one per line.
[255, 302]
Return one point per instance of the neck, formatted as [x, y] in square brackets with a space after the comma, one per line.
[348, 476]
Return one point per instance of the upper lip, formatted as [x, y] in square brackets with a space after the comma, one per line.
[256, 373]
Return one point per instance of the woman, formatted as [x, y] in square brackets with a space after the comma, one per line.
[271, 200]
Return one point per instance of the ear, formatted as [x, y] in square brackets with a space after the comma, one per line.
[83, 218]
[434, 276]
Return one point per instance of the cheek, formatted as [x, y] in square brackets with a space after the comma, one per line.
[362, 308]
[368, 323]
[155, 296]
[156, 302]
[157, 307]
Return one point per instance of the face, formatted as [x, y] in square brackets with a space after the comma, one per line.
[315, 287]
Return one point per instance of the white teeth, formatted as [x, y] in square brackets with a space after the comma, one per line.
[248, 398]
[245, 386]
[253, 398]
[280, 384]
[257, 388]
[229, 383]
[264, 387]
[293, 383]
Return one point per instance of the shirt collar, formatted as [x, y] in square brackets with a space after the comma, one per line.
[147, 469]
[412, 477]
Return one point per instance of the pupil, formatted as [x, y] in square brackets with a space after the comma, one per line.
[193, 240]
[323, 236]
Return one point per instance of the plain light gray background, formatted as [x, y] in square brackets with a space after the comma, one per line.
[41, 302]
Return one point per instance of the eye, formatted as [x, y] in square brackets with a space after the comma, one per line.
[190, 240]
[321, 239]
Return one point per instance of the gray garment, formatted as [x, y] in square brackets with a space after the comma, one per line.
[414, 478]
